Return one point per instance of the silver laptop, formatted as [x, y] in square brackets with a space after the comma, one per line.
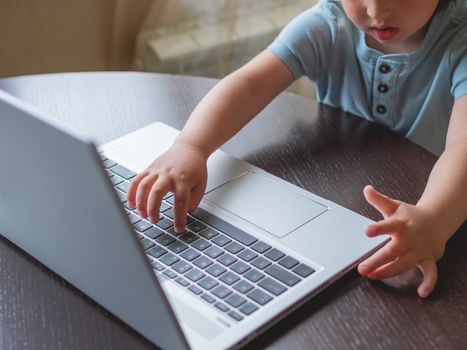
[256, 248]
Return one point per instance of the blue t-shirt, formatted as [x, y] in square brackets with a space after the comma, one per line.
[412, 94]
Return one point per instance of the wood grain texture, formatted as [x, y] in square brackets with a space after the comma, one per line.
[316, 147]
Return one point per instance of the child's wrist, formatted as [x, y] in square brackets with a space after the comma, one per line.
[441, 220]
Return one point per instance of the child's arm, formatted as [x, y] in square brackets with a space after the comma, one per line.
[419, 232]
[231, 104]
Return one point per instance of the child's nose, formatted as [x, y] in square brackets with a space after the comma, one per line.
[378, 10]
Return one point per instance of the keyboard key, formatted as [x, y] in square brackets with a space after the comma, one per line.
[234, 247]
[227, 259]
[203, 262]
[240, 267]
[243, 286]
[225, 227]
[181, 267]
[208, 283]
[170, 274]
[248, 308]
[259, 297]
[142, 226]
[164, 206]
[188, 237]
[190, 254]
[102, 157]
[108, 163]
[201, 244]
[247, 255]
[196, 226]
[195, 290]
[194, 275]
[303, 270]
[171, 230]
[254, 275]
[221, 307]
[221, 292]
[121, 196]
[134, 218]
[215, 270]
[208, 233]
[261, 247]
[156, 251]
[288, 262]
[229, 278]
[214, 252]
[282, 275]
[178, 247]
[235, 315]
[170, 214]
[120, 170]
[183, 282]
[221, 240]
[147, 243]
[272, 286]
[165, 239]
[169, 259]
[157, 265]
[260, 263]
[235, 300]
[116, 180]
[124, 186]
[154, 232]
[165, 223]
[274, 254]
[208, 298]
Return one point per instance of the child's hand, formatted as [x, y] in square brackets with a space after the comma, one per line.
[416, 240]
[181, 170]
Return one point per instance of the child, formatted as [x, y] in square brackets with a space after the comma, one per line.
[401, 63]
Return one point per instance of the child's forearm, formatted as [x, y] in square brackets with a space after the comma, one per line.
[234, 101]
[446, 192]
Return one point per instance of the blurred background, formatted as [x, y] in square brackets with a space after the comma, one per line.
[194, 37]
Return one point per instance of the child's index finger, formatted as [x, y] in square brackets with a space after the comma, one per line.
[131, 193]
[384, 204]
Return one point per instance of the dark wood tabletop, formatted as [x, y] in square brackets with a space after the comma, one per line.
[316, 147]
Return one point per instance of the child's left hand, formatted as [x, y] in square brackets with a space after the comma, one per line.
[416, 240]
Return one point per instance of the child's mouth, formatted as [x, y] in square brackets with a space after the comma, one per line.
[384, 33]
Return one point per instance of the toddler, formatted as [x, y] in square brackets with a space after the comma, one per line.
[400, 63]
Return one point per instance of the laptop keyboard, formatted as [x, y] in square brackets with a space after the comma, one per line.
[226, 267]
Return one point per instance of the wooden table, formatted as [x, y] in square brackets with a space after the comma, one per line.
[316, 147]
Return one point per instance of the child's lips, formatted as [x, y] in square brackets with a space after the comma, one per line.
[386, 33]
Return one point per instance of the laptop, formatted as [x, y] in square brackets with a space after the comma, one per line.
[257, 247]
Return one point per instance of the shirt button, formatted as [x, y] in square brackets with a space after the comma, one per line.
[381, 109]
[383, 88]
[384, 68]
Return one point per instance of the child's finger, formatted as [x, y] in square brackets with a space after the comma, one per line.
[196, 195]
[395, 268]
[131, 193]
[142, 193]
[388, 226]
[430, 277]
[385, 205]
[182, 198]
[157, 192]
[386, 254]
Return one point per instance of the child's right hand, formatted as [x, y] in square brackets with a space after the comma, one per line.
[181, 170]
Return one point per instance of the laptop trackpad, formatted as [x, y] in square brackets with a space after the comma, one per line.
[265, 203]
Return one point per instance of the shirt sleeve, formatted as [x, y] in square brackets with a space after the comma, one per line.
[305, 42]
[459, 64]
